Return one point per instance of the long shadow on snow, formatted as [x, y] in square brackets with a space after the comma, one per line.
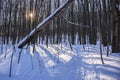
[53, 57]
[65, 54]
[98, 69]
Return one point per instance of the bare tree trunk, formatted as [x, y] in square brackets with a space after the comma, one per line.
[19, 56]
[116, 26]
[100, 33]
[10, 73]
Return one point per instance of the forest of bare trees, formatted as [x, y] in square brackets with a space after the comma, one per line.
[82, 22]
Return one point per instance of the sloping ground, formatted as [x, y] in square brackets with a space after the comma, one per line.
[58, 62]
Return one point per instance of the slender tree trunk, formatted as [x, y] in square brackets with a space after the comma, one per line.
[116, 26]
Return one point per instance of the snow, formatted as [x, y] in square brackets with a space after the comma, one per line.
[57, 62]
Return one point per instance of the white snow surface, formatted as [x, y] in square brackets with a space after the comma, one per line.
[58, 62]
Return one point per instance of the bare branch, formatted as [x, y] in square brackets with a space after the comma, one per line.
[77, 25]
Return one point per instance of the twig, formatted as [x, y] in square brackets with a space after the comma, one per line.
[78, 25]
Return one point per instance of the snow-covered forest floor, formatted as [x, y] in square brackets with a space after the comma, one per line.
[58, 62]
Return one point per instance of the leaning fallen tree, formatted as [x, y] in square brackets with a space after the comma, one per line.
[43, 24]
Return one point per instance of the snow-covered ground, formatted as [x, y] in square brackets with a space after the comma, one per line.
[57, 62]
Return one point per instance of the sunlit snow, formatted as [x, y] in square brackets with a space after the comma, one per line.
[57, 62]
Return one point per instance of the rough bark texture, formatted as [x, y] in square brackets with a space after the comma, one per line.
[116, 26]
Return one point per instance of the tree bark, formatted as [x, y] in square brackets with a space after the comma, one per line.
[116, 26]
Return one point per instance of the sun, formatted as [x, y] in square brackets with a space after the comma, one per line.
[31, 15]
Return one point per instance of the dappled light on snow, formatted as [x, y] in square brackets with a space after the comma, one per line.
[65, 58]
[6, 54]
[106, 77]
[94, 60]
[64, 54]
[31, 50]
[57, 62]
[48, 62]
